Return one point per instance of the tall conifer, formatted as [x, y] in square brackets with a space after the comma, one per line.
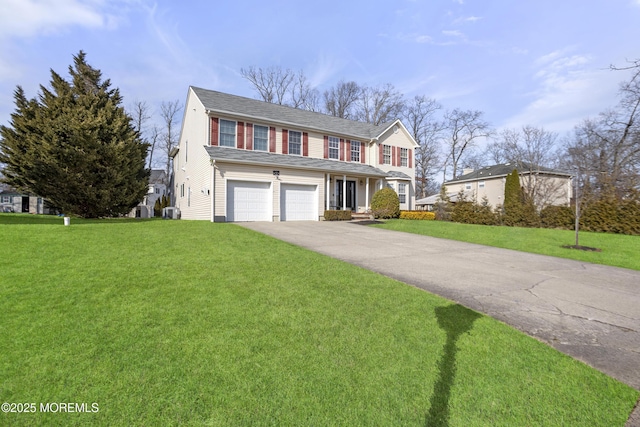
[75, 146]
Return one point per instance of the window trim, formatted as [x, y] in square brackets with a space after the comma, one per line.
[235, 133]
[402, 192]
[356, 151]
[335, 140]
[404, 157]
[386, 154]
[299, 143]
[254, 137]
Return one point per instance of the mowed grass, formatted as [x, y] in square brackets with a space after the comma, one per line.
[616, 249]
[194, 323]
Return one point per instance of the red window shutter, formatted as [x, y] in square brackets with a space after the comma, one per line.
[214, 131]
[347, 149]
[362, 160]
[326, 147]
[381, 150]
[240, 135]
[249, 132]
[272, 139]
[410, 156]
[341, 149]
[305, 144]
[285, 141]
[393, 156]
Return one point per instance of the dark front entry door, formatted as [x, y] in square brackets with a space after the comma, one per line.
[351, 194]
[25, 204]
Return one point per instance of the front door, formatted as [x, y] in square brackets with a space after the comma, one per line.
[351, 195]
[25, 204]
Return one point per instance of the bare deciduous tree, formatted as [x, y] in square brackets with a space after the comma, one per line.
[303, 96]
[463, 130]
[141, 113]
[272, 83]
[169, 112]
[419, 116]
[381, 104]
[340, 100]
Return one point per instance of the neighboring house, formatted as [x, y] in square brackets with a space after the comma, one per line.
[157, 188]
[548, 186]
[14, 201]
[240, 159]
[429, 203]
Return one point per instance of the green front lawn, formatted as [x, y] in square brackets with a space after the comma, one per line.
[194, 323]
[616, 249]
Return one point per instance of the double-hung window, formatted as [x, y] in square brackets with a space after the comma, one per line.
[260, 138]
[227, 133]
[386, 154]
[404, 157]
[334, 147]
[295, 142]
[355, 151]
[402, 192]
[6, 199]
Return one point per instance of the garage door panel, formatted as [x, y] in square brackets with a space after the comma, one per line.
[248, 201]
[298, 202]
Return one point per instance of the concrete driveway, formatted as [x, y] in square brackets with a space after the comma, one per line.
[587, 311]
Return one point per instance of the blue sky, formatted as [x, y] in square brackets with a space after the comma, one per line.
[543, 63]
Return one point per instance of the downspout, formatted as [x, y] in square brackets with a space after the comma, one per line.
[213, 190]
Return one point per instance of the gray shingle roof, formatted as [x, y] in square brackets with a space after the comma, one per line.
[504, 170]
[285, 160]
[273, 113]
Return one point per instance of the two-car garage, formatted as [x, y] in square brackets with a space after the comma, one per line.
[253, 201]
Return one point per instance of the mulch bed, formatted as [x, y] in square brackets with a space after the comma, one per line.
[582, 248]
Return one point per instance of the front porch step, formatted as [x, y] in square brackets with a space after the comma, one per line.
[361, 216]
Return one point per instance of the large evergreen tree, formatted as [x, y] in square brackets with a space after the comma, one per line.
[518, 209]
[76, 146]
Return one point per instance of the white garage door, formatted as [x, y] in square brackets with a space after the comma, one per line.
[298, 202]
[248, 201]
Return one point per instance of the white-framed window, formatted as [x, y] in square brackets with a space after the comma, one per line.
[260, 138]
[6, 199]
[402, 192]
[404, 157]
[481, 184]
[467, 186]
[295, 142]
[186, 151]
[355, 151]
[157, 191]
[334, 147]
[227, 133]
[386, 154]
[182, 190]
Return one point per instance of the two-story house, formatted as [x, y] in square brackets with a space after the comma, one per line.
[240, 159]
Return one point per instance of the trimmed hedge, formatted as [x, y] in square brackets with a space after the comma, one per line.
[419, 215]
[558, 217]
[385, 204]
[337, 215]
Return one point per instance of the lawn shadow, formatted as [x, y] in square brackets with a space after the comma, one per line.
[455, 320]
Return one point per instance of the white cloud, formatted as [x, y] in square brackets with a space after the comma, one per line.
[452, 33]
[569, 88]
[24, 18]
